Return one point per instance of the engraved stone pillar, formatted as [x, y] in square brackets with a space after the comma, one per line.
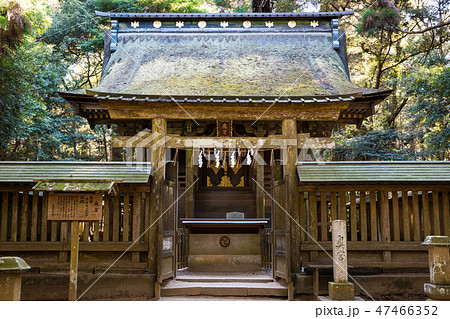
[340, 288]
[11, 269]
[439, 261]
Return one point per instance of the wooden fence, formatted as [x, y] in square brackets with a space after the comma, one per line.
[25, 230]
[385, 226]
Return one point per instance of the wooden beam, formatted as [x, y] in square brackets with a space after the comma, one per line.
[367, 245]
[158, 159]
[84, 246]
[370, 187]
[290, 155]
[395, 216]
[363, 213]
[373, 216]
[385, 223]
[342, 213]
[328, 111]
[353, 217]
[14, 215]
[333, 196]
[189, 195]
[426, 214]
[73, 274]
[44, 217]
[34, 216]
[106, 219]
[126, 217]
[116, 218]
[137, 214]
[4, 219]
[147, 139]
[416, 216]
[446, 212]
[260, 195]
[406, 217]
[302, 217]
[436, 215]
[24, 222]
[313, 215]
[323, 216]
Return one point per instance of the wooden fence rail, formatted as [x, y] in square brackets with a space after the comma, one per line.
[23, 219]
[390, 219]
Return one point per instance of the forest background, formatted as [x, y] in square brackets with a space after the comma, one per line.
[49, 46]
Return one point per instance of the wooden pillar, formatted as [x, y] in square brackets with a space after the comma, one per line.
[290, 155]
[73, 274]
[189, 196]
[158, 159]
[385, 224]
[260, 207]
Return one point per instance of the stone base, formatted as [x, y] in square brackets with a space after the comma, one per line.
[10, 286]
[341, 290]
[437, 292]
[326, 298]
[224, 263]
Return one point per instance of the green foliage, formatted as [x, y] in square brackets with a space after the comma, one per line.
[380, 16]
[372, 145]
[233, 5]
[391, 48]
[429, 87]
[184, 6]
[45, 49]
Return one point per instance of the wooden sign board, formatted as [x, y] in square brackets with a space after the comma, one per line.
[75, 206]
[225, 128]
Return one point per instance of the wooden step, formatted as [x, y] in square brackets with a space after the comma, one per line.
[181, 288]
[224, 277]
[225, 196]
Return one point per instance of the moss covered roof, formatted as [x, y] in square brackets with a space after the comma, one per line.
[226, 64]
[373, 172]
[28, 172]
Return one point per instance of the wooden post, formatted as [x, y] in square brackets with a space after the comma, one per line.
[363, 213]
[260, 209]
[24, 222]
[4, 229]
[189, 196]
[290, 156]
[73, 274]
[385, 224]
[158, 159]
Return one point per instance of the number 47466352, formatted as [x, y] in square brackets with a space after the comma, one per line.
[407, 310]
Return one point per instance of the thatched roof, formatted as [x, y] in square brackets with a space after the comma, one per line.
[216, 64]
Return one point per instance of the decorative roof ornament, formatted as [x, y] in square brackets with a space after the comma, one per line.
[179, 24]
[292, 24]
[157, 24]
[247, 24]
[269, 24]
[201, 24]
[135, 24]
[314, 23]
[224, 24]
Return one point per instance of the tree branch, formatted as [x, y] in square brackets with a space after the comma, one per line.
[440, 25]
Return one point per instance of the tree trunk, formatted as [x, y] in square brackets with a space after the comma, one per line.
[261, 6]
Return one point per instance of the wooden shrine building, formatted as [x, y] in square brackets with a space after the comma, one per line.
[229, 109]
